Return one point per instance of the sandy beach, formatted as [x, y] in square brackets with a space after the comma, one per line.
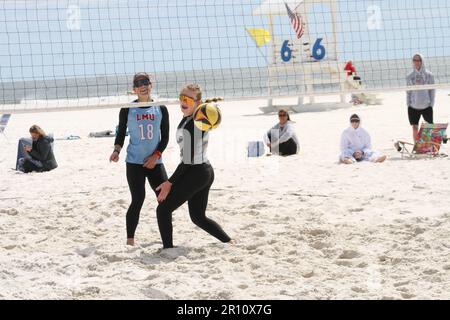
[307, 227]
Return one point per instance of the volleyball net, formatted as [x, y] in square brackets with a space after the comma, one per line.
[67, 54]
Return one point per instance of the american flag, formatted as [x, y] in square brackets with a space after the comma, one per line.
[296, 22]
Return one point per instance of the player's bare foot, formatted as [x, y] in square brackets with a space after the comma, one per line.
[381, 159]
[130, 242]
[347, 161]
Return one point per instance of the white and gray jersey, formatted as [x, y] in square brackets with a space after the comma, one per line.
[193, 145]
[192, 141]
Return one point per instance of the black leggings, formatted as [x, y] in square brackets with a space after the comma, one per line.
[288, 148]
[193, 187]
[136, 175]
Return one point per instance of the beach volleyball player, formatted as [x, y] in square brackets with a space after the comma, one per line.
[148, 128]
[193, 177]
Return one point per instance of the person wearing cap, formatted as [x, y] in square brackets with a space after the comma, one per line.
[356, 144]
[148, 129]
[281, 138]
[420, 102]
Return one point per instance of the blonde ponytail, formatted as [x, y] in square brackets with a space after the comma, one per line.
[215, 99]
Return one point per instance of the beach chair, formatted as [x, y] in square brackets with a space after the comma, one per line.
[3, 123]
[430, 139]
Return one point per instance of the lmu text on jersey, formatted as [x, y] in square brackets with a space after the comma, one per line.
[140, 117]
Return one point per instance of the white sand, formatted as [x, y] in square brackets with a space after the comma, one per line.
[308, 228]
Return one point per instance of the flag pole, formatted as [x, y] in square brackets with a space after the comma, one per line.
[263, 55]
[269, 91]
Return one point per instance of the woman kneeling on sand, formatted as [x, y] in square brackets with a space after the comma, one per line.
[356, 145]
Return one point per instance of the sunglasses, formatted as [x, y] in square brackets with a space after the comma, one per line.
[417, 60]
[142, 82]
[354, 121]
[189, 101]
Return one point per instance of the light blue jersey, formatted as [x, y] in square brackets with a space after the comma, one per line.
[144, 127]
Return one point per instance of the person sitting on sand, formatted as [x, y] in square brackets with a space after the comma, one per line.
[356, 144]
[36, 154]
[282, 139]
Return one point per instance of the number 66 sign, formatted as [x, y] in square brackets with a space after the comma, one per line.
[318, 53]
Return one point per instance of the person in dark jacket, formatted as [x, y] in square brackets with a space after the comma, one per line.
[36, 154]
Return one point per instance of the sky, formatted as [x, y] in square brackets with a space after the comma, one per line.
[50, 39]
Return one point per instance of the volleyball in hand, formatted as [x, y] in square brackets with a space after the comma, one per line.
[207, 116]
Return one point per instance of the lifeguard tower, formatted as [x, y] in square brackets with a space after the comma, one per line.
[303, 73]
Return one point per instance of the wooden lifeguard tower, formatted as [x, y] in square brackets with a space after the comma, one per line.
[303, 73]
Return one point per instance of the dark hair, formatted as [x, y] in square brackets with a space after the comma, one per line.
[354, 117]
[141, 75]
[285, 111]
[417, 56]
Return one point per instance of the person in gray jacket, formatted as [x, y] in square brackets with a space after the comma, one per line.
[420, 102]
